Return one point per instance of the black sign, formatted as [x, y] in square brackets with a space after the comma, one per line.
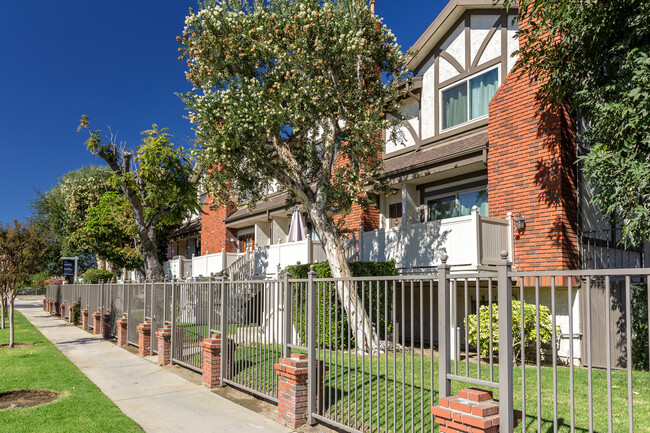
[68, 268]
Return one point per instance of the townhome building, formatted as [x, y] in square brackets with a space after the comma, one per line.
[481, 170]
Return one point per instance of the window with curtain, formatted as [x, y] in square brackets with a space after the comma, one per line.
[454, 102]
[469, 99]
[482, 89]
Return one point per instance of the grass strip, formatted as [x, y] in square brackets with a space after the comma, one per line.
[81, 407]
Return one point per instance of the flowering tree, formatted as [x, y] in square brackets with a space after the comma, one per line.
[21, 254]
[295, 92]
[157, 183]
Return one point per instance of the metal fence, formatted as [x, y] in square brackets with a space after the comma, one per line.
[563, 347]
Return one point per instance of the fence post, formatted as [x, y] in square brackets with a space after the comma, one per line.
[210, 304]
[101, 296]
[444, 342]
[506, 405]
[173, 305]
[286, 317]
[312, 378]
[224, 333]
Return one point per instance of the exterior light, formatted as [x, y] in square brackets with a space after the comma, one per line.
[520, 222]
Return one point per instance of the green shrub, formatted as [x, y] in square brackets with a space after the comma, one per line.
[332, 319]
[530, 333]
[94, 276]
[76, 312]
[639, 327]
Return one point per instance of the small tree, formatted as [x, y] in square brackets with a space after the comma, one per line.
[21, 252]
[156, 181]
[295, 92]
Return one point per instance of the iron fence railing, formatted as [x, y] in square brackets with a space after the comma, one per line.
[566, 348]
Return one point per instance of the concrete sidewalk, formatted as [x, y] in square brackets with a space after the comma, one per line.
[158, 400]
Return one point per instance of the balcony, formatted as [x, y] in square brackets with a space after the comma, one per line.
[470, 242]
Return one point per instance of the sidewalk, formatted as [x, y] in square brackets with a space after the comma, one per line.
[158, 400]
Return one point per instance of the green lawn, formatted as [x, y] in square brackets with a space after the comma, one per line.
[82, 406]
[404, 400]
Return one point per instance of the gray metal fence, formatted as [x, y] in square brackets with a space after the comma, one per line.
[559, 346]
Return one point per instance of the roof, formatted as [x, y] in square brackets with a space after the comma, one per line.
[189, 228]
[274, 203]
[447, 149]
[440, 26]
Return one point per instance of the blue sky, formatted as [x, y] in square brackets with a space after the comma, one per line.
[116, 61]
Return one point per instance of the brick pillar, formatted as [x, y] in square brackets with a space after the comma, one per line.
[70, 307]
[211, 350]
[122, 330]
[144, 338]
[84, 319]
[292, 389]
[164, 336]
[63, 311]
[472, 410]
[97, 322]
[44, 304]
[106, 325]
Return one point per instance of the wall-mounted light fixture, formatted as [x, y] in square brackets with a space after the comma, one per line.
[520, 222]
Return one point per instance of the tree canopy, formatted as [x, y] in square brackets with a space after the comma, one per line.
[156, 181]
[295, 92]
[595, 58]
[62, 211]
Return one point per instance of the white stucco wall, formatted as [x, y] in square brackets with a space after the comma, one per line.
[513, 41]
[411, 111]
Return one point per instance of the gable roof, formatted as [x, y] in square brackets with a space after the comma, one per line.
[441, 25]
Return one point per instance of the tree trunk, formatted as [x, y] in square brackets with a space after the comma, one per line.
[152, 267]
[11, 321]
[3, 310]
[359, 321]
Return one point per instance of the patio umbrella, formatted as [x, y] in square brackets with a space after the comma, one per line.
[297, 227]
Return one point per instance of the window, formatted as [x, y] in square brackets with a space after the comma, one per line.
[394, 214]
[469, 100]
[458, 205]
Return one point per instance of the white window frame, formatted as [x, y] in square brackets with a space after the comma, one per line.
[466, 82]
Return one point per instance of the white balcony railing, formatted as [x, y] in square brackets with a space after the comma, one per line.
[267, 258]
[468, 241]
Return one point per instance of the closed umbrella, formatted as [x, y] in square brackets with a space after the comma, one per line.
[297, 227]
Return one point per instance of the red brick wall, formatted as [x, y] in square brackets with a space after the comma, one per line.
[214, 234]
[368, 218]
[531, 169]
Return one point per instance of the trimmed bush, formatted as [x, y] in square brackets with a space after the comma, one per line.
[94, 276]
[530, 333]
[76, 312]
[333, 329]
[639, 327]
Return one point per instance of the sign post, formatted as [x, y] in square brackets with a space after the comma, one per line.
[70, 267]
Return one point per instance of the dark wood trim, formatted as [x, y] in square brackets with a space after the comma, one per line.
[504, 46]
[486, 41]
[431, 141]
[448, 57]
[436, 100]
[410, 129]
[432, 168]
[459, 178]
[471, 71]
[485, 66]
[468, 37]
[452, 189]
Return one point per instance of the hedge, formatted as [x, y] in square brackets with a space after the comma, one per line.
[333, 328]
[94, 276]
